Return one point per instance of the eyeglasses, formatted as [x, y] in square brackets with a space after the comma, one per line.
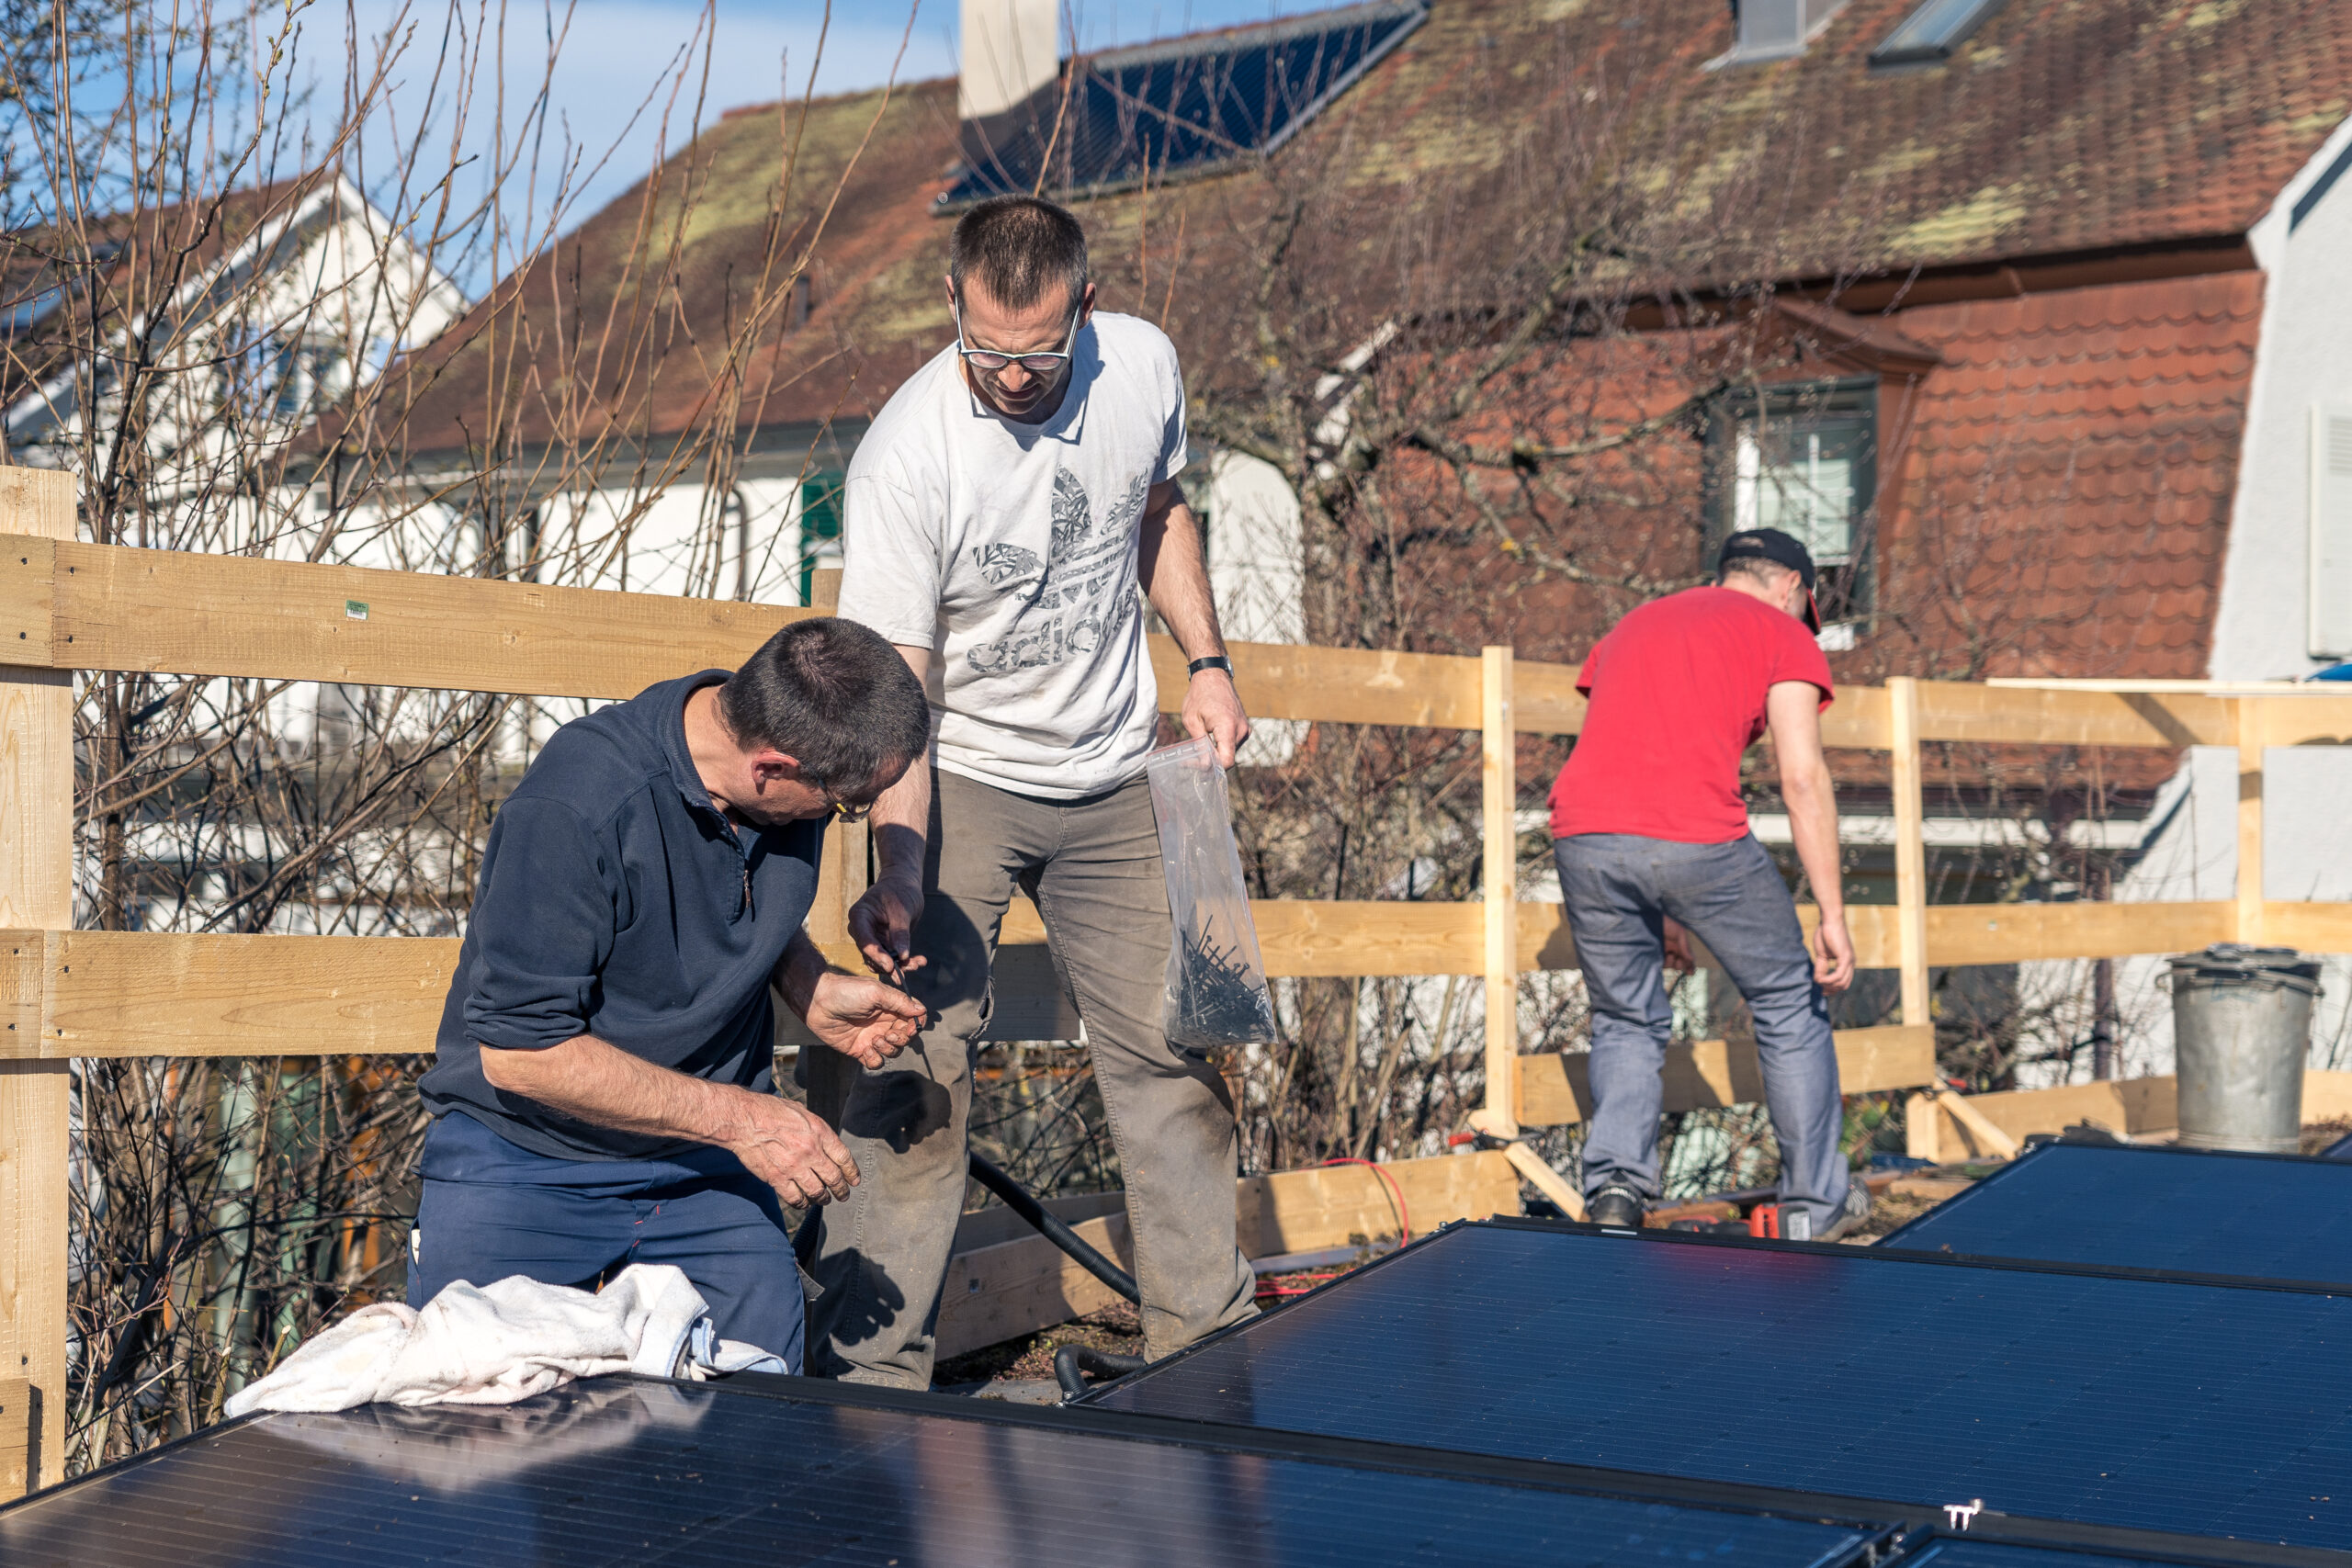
[1041, 364]
[849, 811]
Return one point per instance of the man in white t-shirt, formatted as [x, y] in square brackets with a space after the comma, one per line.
[1006, 518]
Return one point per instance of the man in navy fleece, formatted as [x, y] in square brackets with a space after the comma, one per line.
[605, 1091]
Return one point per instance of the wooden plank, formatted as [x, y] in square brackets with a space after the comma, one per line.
[1338, 685]
[157, 994]
[1910, 847]
[2248, 924]
[147, 994]
[182, 613]
[1953, 710]
[1545, 698]
[1001, 1293]
[1498, 830]
[2017, 933]
[1923, 1128]
[1304, 1211]
[2315, 927]
[2327, 1096]
[2305, 720]
[1858, 720]
[15, 1436]
[27, 607]
[2121, 1105]
[1554, 1089]
[1980, 1129]
[36, 893]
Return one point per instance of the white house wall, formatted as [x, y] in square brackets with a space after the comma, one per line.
[2262, 632]
[2304, 357]
[1256, 575]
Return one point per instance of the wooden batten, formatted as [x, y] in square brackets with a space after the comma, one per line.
[15, 1436]
[2134, 1107]
[1706, 1074]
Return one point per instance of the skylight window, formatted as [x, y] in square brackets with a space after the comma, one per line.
[1933, 30]
[1184, 107]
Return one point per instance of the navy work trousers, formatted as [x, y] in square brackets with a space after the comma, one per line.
[491, 1209]
[1620, 890]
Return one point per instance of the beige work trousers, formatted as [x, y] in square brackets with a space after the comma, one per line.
[881, 1256]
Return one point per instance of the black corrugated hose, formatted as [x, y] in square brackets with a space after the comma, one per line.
[1017, 1199]
[1073, 1362]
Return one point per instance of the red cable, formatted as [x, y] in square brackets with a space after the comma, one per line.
[1404, 1220]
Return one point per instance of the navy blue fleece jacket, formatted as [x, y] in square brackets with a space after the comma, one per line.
[615, 900]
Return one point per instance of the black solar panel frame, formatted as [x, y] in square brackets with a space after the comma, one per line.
[1892, 1240]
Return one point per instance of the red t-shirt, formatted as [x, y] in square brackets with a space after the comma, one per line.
[1677, 693]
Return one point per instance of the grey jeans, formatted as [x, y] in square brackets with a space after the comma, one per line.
[1619, 889]
[880, 1255]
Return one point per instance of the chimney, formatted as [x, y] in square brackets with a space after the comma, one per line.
[1012, 48]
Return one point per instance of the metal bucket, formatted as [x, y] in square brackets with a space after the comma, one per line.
[2242, 1028]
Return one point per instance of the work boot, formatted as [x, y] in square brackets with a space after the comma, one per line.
[1614, 1205]
[1856, 1209]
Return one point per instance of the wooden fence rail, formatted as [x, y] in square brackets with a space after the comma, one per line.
[66, 606]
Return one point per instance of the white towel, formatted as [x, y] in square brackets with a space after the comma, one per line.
[495, 1345]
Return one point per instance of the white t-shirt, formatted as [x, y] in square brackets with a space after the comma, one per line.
[1008, 550]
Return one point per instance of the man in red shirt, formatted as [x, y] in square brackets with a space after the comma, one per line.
[1648, 826]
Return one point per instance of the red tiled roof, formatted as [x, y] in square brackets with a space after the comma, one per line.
[2062, 127]
[2070, 470]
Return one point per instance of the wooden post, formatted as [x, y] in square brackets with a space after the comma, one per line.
[2249, 878]
[829, 915]
[36, 894]
[1500, 811]
[1910, 847]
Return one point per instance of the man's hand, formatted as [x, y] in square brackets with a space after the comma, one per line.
[1678, 959]
[788, 1146]
[1213, 708]
[1833, 965]
[863, 1018]
[882, 923]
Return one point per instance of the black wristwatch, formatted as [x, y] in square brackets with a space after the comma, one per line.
[1214, 662]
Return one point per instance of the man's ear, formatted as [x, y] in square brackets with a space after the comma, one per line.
[1086, 306]
[772, 766]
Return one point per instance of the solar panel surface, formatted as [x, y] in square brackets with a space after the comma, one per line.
[2069, 1395]
[626, 1471]
[2265, 1215]
[1184, 105]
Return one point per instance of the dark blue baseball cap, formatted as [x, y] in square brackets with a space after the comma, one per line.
[1781, 549]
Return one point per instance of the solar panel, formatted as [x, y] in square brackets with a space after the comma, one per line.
[2270, 1216]
[2043, 1390]
[1179, 107]
[624, 1470]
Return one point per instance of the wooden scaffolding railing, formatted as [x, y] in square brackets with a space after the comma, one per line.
[66, 605]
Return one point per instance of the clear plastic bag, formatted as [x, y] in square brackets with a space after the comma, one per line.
[1216, 981]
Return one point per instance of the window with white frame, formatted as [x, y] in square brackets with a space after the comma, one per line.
[2331, 533]
[1803, 459]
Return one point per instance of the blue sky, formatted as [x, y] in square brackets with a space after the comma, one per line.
[619, 52]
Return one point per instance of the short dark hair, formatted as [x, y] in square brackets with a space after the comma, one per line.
[1017, 247]
[1756, 566]
[835, 697]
